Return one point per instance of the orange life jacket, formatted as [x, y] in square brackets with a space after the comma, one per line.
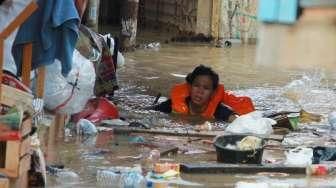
[179, 93]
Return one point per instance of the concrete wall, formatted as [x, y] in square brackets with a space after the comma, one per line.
[179, 13]
[310, 43]
[204, 9]
[209, 17]
[238, 19]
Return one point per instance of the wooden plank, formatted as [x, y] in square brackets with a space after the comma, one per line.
[190, 133]
[40, 81]
[27, 63]
[14, 166]
[25, 146]
[4, 183]
[19, 19]
[12, 159]
[238, 168]
[12, 96]
[126, 130]
[26, 127]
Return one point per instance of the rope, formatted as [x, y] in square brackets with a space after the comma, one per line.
[74, 86]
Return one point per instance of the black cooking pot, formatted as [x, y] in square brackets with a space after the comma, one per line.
[226, 155]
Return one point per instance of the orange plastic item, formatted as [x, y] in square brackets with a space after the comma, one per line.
[96, 110]
[164, 167]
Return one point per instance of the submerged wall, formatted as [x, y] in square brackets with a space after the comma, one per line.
[175, 13]
[308, 44]
[217, 18]
[238, 20]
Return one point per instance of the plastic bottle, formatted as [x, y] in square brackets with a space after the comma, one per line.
[107, 178]
[132, 180]
[67, 177]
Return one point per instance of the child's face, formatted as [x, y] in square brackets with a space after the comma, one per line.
[201, 90]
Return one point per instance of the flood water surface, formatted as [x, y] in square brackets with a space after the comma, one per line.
[148, 72]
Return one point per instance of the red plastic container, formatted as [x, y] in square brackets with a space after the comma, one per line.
[96, 110]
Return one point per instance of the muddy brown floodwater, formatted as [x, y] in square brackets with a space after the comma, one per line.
[148, 72]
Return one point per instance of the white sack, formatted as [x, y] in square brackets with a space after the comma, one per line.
[57, 87]
[251, 123]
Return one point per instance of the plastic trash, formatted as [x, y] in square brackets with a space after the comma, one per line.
[69, 95]
[132, 180]
[320, 170]
[67, 177]
[153, 46]
[324, 154]
[96, 110]
[85, 127]
[108, 178]
[294, 119]
[253, 122]
[299, 157]
[121, 177]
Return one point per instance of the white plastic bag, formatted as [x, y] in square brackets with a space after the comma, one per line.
[251, 123]
[85, 127]
[299, 157]
[59, 89]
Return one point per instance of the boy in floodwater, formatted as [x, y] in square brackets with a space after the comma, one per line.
[202, 95]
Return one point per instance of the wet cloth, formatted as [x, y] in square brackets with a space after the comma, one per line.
[53, 29]
[105, 65]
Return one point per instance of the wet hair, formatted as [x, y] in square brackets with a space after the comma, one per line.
[202, 70]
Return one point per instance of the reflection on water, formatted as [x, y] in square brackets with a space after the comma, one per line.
[147, 73]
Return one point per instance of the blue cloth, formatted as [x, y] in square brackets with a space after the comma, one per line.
[53, 29]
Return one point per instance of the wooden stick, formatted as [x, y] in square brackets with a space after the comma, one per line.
[19, 20]
[27, 63]
[40, 82]
[120, 130]
[212, 134]
[239, 168]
